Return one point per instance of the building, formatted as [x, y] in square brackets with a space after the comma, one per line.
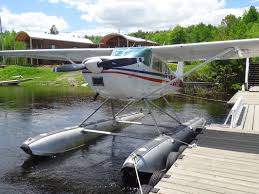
[39, 40]
[119, 40]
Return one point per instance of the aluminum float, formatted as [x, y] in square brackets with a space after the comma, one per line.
[60, 141]
[152, 156]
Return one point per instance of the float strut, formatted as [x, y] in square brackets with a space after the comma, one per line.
[126, 106]
[152, 115]
[168, 104]
[93, 112]
[112, 107]
[158, 108]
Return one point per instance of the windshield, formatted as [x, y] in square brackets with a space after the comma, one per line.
[134, 52]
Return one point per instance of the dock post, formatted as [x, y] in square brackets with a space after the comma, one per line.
[247, 73]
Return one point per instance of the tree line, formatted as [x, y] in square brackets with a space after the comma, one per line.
[229, 73]
[231, 27]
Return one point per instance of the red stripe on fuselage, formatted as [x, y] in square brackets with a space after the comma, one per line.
[138, 76]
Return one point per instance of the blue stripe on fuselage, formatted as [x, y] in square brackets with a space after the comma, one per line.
[141, 71]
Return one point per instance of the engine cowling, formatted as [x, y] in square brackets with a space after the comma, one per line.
[92, 65]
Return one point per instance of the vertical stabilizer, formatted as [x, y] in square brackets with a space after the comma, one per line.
[179, 71]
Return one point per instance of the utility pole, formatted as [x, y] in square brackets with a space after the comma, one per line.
[2, 38]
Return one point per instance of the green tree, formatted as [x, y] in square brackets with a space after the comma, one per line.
[94, 39]
[201, 33]
[178, 35]
[253, 31]
[10, 44]
[229, 73]
[251, 15]
[231, 28]
[53, 30]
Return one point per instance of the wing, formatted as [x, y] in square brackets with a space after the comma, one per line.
[182, 52]
[202, 51]
[74, 54]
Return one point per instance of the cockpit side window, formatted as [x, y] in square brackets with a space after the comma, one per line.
[160, 65]
[147, 54]
[157, 64]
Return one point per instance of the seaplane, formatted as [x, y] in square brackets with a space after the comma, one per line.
[132, 75]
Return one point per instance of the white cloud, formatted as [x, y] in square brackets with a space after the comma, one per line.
[33, 21]
[99, 31]
[125, 15]
[150, 14]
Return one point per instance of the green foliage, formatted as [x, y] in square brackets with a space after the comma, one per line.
[8, 43]
[251, 15]
[53, 30]
[178, 35]
[94, 39]
[201, 33]
[41, 73]
[230, 73]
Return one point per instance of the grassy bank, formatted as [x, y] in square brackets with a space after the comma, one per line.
[42, 76]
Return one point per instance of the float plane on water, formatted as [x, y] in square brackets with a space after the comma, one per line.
[133, 74]
[140, 72]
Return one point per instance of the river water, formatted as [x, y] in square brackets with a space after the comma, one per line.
[94, 168]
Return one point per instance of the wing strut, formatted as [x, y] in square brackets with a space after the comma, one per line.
[225, 52]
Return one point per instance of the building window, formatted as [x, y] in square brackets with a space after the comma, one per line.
[52, 46]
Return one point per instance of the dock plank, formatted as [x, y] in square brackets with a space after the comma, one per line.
[210, 168]
[209, 185]
[256, 118]
[183, 188]
[220, 167]
[249, 118]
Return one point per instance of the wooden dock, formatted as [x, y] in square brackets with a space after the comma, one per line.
[226, 160]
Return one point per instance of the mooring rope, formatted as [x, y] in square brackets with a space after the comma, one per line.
[194, 145]
[201, 98]
[135, 166]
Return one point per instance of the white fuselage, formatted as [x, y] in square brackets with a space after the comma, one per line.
[130, 82]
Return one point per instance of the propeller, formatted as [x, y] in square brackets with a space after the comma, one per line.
[97, 65]
[66, 68]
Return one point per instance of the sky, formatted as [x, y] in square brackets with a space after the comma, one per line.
[99, 17]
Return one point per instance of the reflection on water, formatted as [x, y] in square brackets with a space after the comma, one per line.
[95, 168]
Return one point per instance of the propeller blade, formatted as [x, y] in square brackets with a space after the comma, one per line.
[66, 68]
[108, 64]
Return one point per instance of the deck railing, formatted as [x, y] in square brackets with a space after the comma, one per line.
[235, 113]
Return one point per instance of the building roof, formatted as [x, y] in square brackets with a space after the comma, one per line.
[25, 35]
[130, 38]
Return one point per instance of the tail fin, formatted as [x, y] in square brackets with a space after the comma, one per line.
[179, 71]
